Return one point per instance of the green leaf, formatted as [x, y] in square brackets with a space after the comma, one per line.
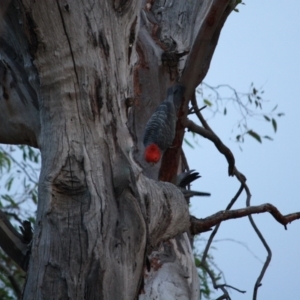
[197, 262]
[31, 220]
[280, 114]
[267, 118]
[208, 103]
[225, 111]
[34, 196]
[267, 137]
[275, 107]
[254, 135]
[9, 183]
[254, 91]
[274, 124]
[9, 199]
[5, 162]
[249, 99]
[188, 143]
[240, 138]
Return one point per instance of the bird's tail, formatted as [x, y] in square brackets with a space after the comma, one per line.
[186, 178]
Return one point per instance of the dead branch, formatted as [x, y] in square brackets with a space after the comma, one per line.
[277, 215]
[232, 171]
[214, 282]
[191, 126]
[12, 242]
[199, 115]
[208, 133]
[219, 286]
[209, 242]
[201, 225]
[214, 232]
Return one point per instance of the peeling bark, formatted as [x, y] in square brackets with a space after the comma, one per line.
[170, 264]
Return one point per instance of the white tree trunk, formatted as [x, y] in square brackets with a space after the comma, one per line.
[68, 70]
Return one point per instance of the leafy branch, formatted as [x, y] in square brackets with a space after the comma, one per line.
[249, 105]
[19, 169]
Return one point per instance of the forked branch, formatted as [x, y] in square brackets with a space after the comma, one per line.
[202, 225]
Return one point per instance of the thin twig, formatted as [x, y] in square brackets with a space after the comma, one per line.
[232, 287]
[19, 165]
[281, 219]
[251, 99]
[191, 126]
[214, 282]
[233, 200]
[15, 216]
[193, 110]
[245, 245]
[15, 285]
[199, 115]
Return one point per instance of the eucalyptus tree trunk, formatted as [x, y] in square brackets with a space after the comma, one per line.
[79, 81]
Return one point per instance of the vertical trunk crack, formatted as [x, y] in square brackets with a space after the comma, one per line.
[68, 39]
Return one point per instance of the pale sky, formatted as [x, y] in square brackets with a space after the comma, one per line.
[260, 44]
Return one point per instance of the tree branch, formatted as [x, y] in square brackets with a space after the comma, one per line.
[220, 286]
[206, 133]
[166, 209]
[233, 171]
[12, 242]
[209, 242]
[277, 215]
[211, 17]
[15, 285]
[19, 110]
[231, 203]
[202, 225]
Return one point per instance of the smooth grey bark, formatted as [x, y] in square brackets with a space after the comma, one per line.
[75, 66]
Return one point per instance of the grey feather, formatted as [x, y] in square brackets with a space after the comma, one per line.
[160, 129]
[186, 178]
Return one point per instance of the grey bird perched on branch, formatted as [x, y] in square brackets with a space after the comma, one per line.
[160, 129]
[186, 178]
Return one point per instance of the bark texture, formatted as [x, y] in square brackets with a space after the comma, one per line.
[79, 80]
